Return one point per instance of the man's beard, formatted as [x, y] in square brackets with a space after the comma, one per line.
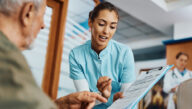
[30, 42]
[31, 46]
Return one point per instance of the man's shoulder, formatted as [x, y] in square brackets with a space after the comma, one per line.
[15, 69]
[189, 70]
[170, 73]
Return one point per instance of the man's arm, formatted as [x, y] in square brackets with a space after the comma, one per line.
[79, 100]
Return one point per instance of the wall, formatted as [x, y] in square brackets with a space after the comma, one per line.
[173, 49]
[149, 64]
[182, 30]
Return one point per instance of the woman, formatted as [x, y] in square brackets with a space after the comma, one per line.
[175, 77]
[102, 64]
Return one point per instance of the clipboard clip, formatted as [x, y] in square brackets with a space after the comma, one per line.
[154, 69]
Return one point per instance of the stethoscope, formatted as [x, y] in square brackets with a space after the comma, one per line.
[174, 75]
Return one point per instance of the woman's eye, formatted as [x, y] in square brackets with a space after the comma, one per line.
[100, 24]
[112, 27]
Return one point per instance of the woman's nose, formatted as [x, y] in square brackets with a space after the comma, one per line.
[106, 30]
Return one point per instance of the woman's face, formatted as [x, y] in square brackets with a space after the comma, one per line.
[103, 28]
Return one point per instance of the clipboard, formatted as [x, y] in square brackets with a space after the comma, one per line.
[140, 87]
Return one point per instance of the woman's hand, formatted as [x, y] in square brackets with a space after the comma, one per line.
[104, 86]
[117, 96]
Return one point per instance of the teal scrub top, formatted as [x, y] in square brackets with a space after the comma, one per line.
[116, 61]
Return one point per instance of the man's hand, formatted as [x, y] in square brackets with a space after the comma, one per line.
[104, 86]
[79, 100]
[174, 89]
[117, 96]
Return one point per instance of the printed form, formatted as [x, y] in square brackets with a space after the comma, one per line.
[139, 88]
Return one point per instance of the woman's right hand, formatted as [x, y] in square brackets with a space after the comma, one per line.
[117, 96]
[104, 86]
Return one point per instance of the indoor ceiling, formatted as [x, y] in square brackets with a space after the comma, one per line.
[158, 13]
[143, 24]
[129, 30]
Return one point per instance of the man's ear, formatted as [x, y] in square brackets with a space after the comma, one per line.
[27, 14]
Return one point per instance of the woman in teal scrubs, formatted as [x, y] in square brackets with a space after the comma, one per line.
[102, 64]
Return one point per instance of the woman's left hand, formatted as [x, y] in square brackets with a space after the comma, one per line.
[104, 86]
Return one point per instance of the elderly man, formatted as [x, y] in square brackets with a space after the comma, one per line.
[20, 22]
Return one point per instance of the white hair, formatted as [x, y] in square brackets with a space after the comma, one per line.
[8, 7]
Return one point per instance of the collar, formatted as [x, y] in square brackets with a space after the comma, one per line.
[181, 73]
[3, 36]
[102, 54]
[5, 41]
[184, 72]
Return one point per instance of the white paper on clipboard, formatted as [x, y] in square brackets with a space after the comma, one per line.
[139, 88]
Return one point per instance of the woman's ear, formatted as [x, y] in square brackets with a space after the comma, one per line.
[90, 23]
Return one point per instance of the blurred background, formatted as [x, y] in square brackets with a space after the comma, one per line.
[147, 26]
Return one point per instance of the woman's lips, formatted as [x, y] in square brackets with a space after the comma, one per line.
[102, 38]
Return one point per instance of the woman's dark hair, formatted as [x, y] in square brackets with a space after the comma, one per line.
[102, 6]
[181, 53]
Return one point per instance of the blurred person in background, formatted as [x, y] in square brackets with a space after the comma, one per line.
[175, 77]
